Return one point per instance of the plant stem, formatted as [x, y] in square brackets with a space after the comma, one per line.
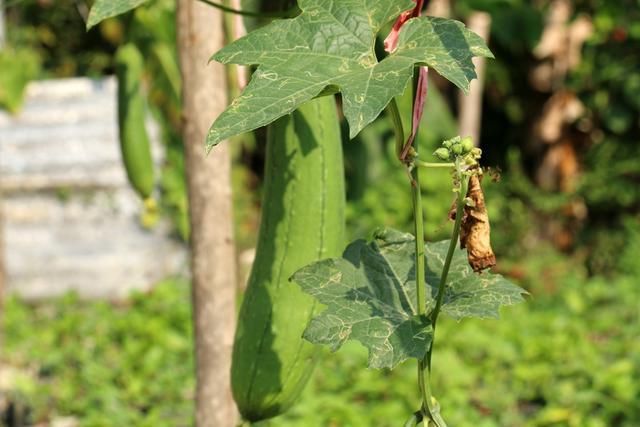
[284, 14]
[415, 419]
[417, 209]
[462, 193]
[392, 108]
[424, 366]
[423, 372]
[419, 231]
[433, 165]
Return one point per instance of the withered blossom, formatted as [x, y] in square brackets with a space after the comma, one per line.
[475, 229]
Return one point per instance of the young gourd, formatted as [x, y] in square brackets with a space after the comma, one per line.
[302, 221]
[134, 140]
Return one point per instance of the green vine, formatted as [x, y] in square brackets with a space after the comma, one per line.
[285, 14]
[376, 293]
[465, 162]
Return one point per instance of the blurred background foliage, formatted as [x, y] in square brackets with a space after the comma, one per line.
[561, 134]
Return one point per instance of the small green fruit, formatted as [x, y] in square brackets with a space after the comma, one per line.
[451, 142]
[442, 153]
[271, 362]
[467, 145]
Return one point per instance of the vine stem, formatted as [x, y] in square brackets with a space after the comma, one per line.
[286, 14]
[394, 112]
[462, 193]
[460, 203]
[424, 365]
[416, 418]
[428, 410]
[433, 165]
[423, 372]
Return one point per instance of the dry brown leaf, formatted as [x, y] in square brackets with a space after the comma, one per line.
[475, 231]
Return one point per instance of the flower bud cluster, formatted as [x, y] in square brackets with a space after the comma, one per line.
[459, 148]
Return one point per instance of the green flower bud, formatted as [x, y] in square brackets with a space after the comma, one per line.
[470, 161]
[451, 142]
[457, 149]
[442, 153]
[467, 145]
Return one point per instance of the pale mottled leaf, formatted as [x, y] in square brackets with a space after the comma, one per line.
[331, 45]
[467, 294]
[370, 294]
[368, 299]
[103, 9]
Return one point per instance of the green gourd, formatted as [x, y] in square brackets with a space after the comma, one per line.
[302, 221]
[134, 140]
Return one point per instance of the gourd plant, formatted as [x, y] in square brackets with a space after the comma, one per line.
[388, 293]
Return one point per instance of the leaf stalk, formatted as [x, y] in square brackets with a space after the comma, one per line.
[428, 410]
[460, 203]
[423, 372]
[422, 164]
[285, 14]
[394, 112]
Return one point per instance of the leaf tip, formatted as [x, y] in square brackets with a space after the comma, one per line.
[91, 21]
[483, 52]
[294, 277]
[353, 131]
[215, 57]
[213, 139]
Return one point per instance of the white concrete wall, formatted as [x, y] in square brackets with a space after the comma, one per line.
[71, 221]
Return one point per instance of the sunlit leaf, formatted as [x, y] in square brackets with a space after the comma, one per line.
[330, 47]
[370, 294]
[103, 9]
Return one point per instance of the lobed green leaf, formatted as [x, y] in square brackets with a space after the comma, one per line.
[466, 294]
[103, 9]
[370, 294]
[330, 45]
[368, 300]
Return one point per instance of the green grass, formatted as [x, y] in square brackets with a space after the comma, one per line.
[570, 358]
[566, 360]
[109, 365]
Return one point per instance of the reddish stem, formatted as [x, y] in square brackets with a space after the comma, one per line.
[391, 42]
[418, 109]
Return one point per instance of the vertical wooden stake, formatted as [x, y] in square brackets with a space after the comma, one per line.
[3, 28]
[213, 267]
[471, 105]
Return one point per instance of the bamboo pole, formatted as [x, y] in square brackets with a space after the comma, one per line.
[213, 266]
[471, 105]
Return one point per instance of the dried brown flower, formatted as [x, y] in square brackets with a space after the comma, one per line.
[475, 229]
